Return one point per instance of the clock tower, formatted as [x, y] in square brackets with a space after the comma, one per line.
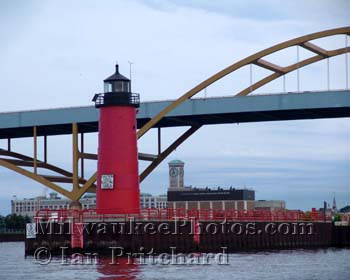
[176, 175]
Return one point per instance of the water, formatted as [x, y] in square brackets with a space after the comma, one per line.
[294, 264]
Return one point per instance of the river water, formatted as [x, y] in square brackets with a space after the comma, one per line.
[292, 264]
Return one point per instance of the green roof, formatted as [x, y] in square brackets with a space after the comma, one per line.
[176, 161]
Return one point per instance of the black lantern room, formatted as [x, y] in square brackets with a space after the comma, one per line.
[117, 82]
[116, 92]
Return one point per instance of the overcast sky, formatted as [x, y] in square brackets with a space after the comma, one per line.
[56, 54]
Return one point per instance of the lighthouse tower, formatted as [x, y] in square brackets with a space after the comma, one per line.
[117, 168]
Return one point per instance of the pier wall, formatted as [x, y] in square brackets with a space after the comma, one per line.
[188, 236]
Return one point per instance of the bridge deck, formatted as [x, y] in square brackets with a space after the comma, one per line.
[218, 110]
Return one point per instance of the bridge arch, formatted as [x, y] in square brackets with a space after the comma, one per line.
[255, 59]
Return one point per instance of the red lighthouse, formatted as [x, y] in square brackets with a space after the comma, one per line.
[117, 170]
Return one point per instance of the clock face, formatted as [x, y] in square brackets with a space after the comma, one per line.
[173, 172]
[181, 172]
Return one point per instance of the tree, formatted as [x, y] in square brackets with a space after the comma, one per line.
[2, 223]
[17, 222]
[27, 219]
[345, 209]
[336, 218]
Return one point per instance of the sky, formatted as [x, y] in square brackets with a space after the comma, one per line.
[57, 53]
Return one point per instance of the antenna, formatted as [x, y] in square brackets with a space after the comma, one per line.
[130, 64]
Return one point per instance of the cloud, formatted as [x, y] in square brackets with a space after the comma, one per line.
[270, 10]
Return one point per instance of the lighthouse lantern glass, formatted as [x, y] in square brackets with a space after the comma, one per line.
[117, 86]
[107, 87]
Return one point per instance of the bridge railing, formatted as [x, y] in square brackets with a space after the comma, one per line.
[168, 214]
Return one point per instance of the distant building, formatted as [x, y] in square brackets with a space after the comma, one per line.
[153, 201]
[270, 205]
[180, 196]
[193, 198]
[334, 206]
[29, 207]
[326, 209]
